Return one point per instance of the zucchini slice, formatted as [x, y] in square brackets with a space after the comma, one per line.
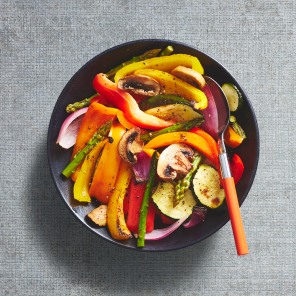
[233, 95]
[206, 185]
[176, 112]
[164, 196]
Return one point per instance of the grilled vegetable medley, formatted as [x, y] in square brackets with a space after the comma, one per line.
[144, 146]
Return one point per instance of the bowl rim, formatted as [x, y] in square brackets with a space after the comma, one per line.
[124, 45]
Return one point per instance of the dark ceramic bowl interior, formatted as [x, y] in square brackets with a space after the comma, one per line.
[80, 87]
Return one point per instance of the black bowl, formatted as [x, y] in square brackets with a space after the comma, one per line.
[80, 86]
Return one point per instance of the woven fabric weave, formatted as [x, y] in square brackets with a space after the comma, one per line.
[43, 248]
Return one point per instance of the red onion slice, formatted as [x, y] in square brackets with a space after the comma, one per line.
[69, 129]
[158, 234]
[141, 167]
[210, 125]
[198, 215]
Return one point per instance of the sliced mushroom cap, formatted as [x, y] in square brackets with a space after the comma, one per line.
[130, 145]
[99, 215]
[140, 84]
[174, 161]
[189, 75]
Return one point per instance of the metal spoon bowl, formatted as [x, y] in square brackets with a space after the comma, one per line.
[228, 182]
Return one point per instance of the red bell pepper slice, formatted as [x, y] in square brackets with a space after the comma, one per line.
[237, 168]
[135, 197]
[127, 104]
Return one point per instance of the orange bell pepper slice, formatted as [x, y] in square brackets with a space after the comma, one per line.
[96, 115]
[191, 139]
[231, 138]
[122, 119]
[107, 168]
[211, 141]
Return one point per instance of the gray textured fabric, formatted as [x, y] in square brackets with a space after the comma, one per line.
[44, 250]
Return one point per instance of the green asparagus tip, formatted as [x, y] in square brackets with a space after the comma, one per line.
[80, 104]
[183, 185]
[167, 51]
[146, 55]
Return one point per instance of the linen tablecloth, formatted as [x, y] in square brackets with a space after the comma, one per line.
[44, 249]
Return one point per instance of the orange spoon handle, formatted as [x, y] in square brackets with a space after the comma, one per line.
[235, 217]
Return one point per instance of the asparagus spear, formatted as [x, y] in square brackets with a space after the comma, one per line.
[145, 201]
[181, 126]
[79, 105]
[167, 51]
[163, 99]
[98, 136]
[146, 55]
[183, 184]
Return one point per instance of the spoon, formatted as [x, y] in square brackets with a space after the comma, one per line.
[228, 182]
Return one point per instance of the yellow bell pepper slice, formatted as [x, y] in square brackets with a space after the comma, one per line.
[188, 138]
[173, 85]
[81, 185]
[149, 151]
[115, 215]
[107, 168]
[164, 63]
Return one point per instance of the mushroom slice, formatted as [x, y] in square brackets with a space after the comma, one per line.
[99, 215]
[140, 84]
[174, 161]
[189, 75]
[130, 145]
